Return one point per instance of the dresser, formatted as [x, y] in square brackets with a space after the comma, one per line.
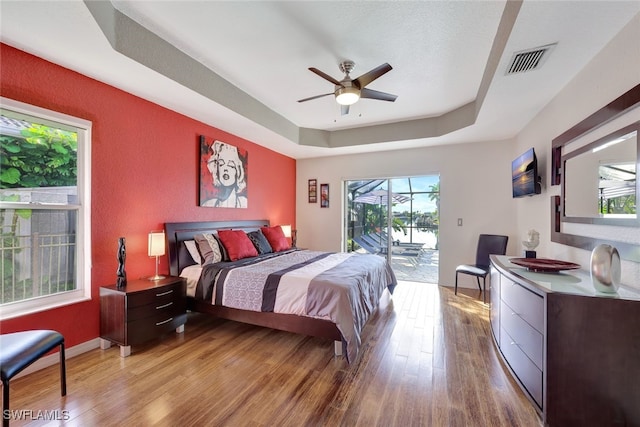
[141, 311]
[574, 352]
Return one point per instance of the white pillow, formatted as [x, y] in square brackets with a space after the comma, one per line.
[193, 251]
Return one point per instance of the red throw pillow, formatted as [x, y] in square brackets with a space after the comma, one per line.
[237, 244]
[275, 237]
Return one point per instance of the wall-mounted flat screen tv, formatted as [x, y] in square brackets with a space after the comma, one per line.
[524, 175]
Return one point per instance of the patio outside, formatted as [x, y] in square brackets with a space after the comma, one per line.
[413, 232]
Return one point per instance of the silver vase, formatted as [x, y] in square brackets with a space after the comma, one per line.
[605, 268]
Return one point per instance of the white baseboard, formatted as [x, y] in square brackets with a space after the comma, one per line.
[54, 359]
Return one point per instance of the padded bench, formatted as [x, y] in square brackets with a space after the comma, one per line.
[19, 350]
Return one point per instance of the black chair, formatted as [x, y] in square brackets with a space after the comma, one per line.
[19, 350]
[488, 244]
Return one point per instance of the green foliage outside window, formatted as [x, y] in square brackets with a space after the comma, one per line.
[43, 157]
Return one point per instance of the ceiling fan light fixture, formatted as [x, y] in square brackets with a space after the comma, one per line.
[347, 95]
[348, 91]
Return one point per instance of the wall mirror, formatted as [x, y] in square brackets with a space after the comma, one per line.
[599, 180]
[597, 201]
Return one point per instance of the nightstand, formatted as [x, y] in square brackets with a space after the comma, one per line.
[142, 310]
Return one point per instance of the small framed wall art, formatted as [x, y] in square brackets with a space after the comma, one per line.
[313, 191]
[324, 195]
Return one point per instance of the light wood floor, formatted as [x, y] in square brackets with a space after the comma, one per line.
[427, 359]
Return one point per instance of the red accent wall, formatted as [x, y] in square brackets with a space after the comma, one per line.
[144, 164]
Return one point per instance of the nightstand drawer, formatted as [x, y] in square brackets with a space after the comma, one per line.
[152, 327]
[160, 295]
[162, 308]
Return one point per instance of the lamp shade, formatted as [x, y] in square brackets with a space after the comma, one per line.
[156, 243]
[286, 229]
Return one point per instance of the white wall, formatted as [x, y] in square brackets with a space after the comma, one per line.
[615, 70]
[475, 185]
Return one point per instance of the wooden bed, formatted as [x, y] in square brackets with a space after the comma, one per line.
[179, 257]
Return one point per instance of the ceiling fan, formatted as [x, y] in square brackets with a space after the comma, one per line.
[348, 91]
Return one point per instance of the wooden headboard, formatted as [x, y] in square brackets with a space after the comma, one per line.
[178, 232]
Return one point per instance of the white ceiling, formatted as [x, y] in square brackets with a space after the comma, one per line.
[440, 52]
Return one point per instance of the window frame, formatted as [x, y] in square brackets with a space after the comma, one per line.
[83, 236]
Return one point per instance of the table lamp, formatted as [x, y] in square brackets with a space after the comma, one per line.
[156, 248]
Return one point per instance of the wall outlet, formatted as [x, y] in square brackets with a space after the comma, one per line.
[459, 222]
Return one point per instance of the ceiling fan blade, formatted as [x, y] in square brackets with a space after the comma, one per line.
[374, 94]
[344, 110]
[325, 76]
[314, 97]
[370, 76]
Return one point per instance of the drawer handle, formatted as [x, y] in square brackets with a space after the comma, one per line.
[164, 305]
[164, 321]
[165, 293]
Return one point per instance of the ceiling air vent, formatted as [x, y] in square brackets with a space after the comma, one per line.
[530, 59]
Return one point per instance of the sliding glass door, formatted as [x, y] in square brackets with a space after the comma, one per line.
[396, 218]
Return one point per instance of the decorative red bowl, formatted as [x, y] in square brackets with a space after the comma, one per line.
[544, 264]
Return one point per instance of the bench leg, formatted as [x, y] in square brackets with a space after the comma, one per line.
[5, 404]
[63, 371]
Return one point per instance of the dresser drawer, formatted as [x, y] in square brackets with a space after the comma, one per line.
[526, 371]
[495, 304]
[526, 304]
[160, 295]
[522, 334]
